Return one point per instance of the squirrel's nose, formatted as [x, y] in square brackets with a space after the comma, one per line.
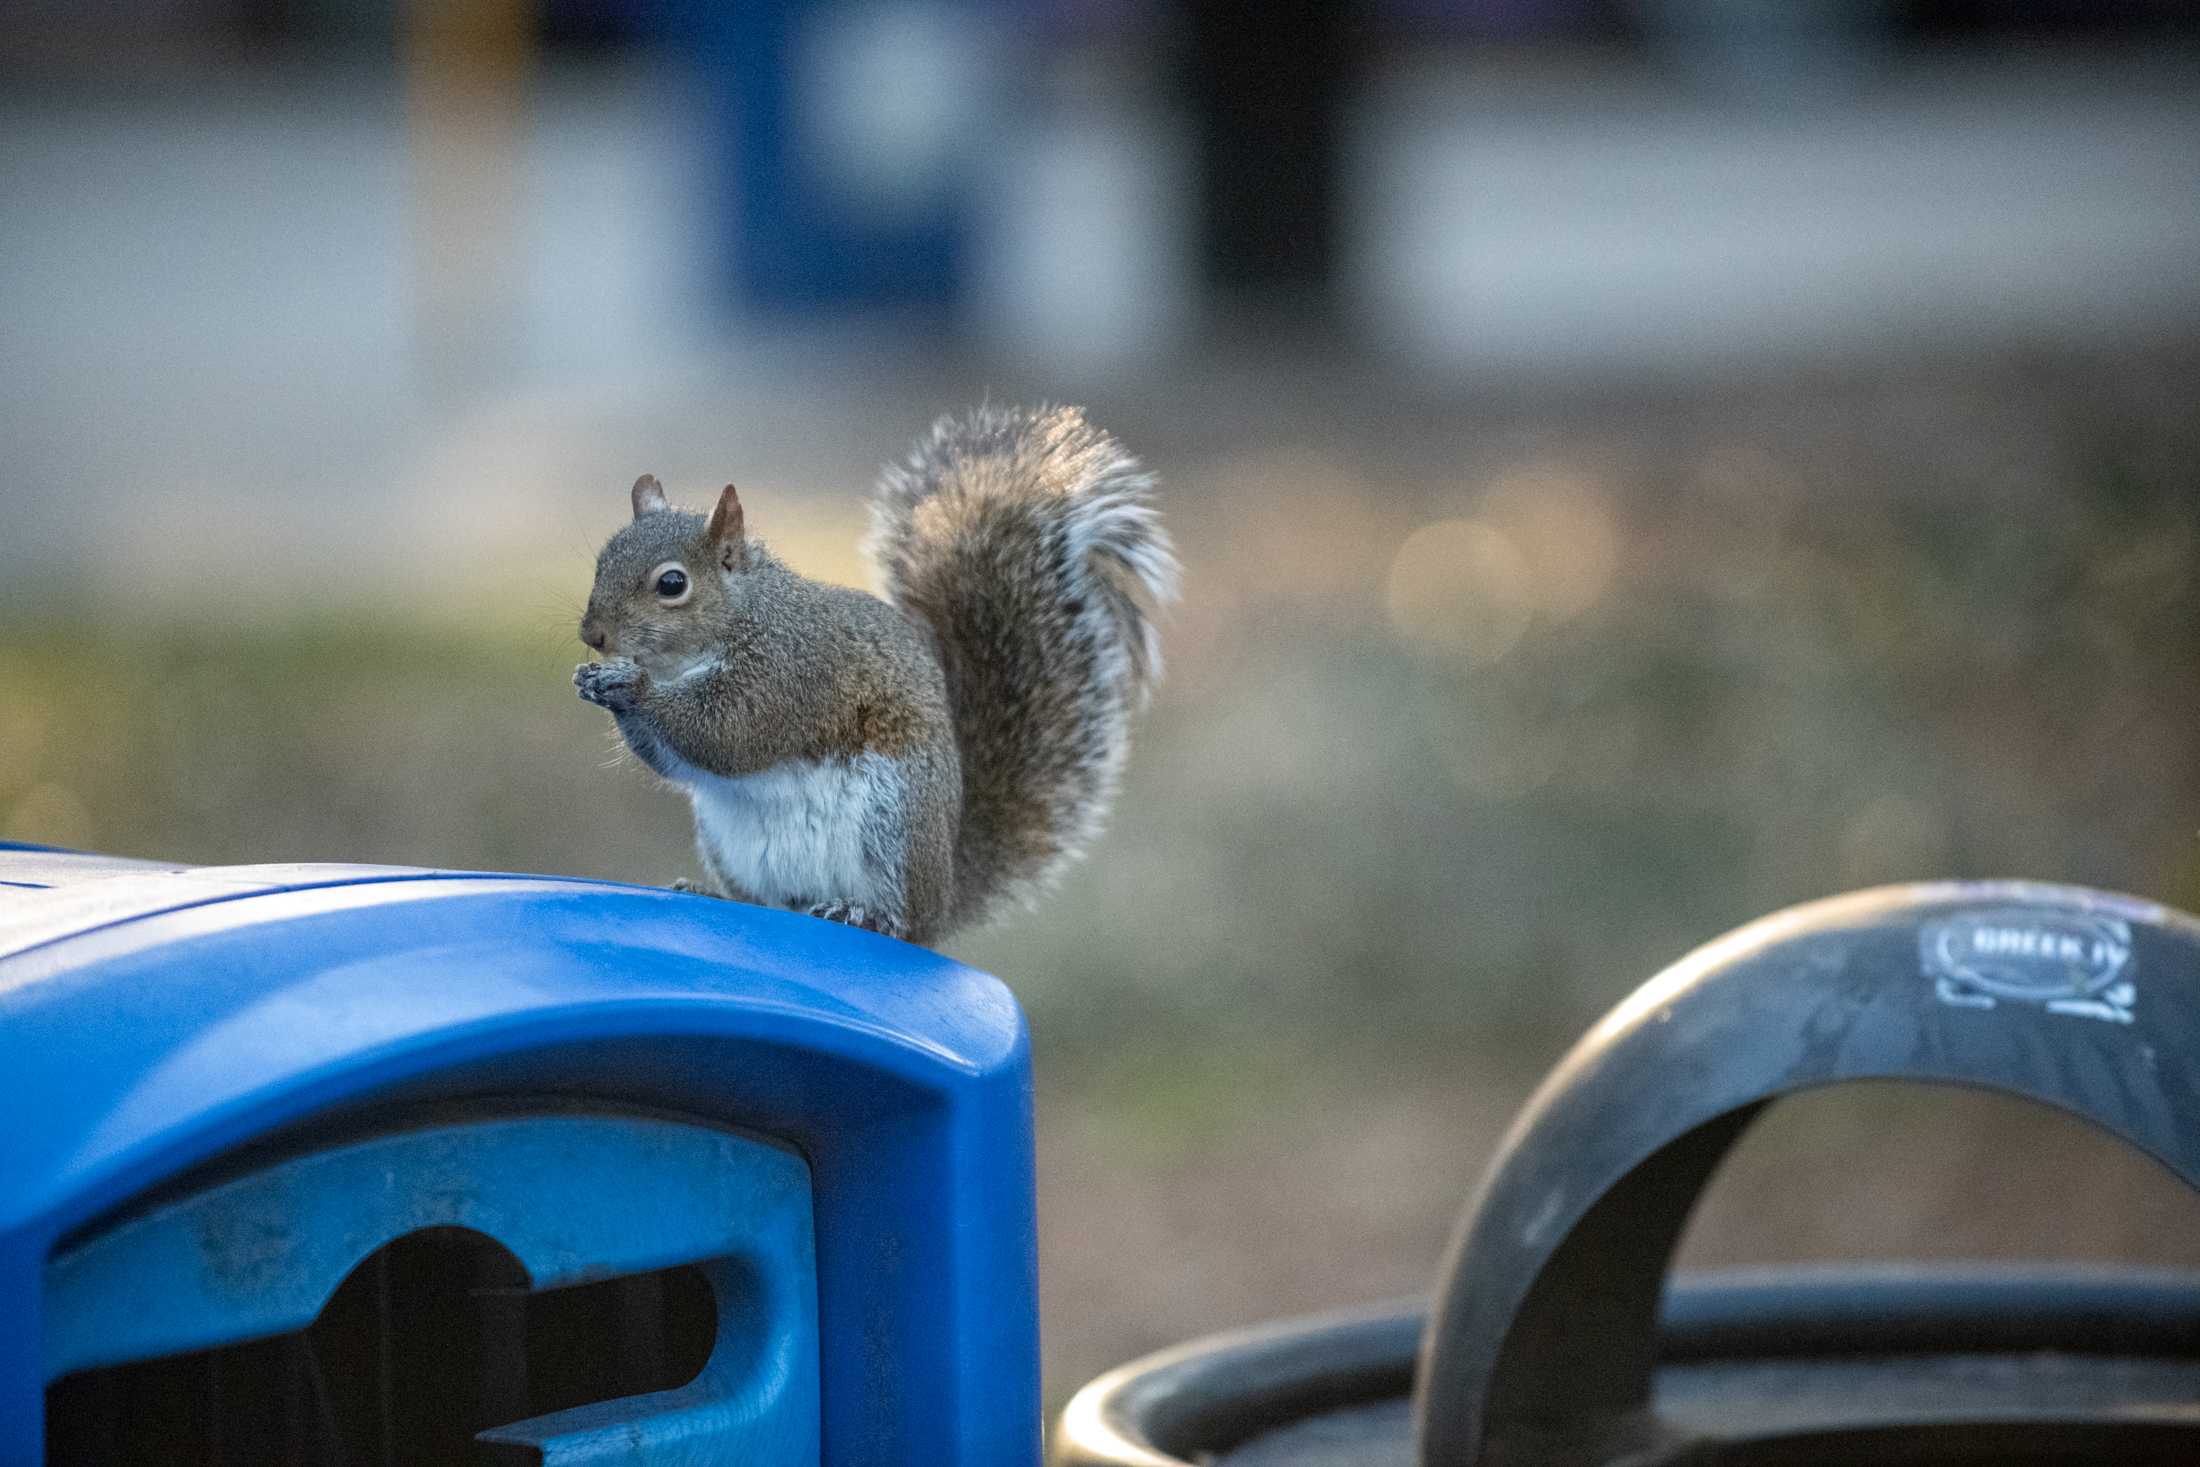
[595, 637]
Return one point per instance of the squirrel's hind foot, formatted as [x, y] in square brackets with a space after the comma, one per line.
[856, 916]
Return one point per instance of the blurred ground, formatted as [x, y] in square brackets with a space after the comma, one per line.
[1509, 670]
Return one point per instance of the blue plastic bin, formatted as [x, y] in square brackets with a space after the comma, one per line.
[230, 1088]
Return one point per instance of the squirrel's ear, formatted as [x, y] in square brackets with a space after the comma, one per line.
[649, 495]
[725, 528]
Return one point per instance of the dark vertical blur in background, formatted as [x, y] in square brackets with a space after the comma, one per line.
[1639, 463]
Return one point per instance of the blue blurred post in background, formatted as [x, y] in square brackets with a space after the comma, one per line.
[849, 139]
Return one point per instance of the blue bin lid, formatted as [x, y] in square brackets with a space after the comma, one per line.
[154, 1017]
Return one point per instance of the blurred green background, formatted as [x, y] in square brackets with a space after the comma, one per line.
[1503, 678]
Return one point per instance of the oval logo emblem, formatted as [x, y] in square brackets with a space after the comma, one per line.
[2069, 962]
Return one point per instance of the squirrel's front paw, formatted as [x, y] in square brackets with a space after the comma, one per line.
[696, 888]
[855, 916]
[615, 685]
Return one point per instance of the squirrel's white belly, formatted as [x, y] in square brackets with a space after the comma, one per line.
[795, 833]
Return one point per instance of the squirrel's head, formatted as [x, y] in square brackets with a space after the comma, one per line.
[668, 582]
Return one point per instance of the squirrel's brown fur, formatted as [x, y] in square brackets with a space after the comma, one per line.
[937, 752]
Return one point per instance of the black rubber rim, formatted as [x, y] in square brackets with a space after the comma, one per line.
[1215, 1394]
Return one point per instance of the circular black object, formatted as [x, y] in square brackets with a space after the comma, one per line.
[1817, 1365]
[672, 583]
[1554, 1338]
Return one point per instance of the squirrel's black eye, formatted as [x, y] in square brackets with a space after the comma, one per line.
[670, 581]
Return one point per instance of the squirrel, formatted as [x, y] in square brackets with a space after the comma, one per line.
[909, 764]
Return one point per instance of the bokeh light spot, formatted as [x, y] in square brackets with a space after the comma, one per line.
[1461, 587]
[1562, 523]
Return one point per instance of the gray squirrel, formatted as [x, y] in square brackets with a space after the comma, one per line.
[912, 764]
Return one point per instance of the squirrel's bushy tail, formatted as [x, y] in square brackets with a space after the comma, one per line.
[1027, 540]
